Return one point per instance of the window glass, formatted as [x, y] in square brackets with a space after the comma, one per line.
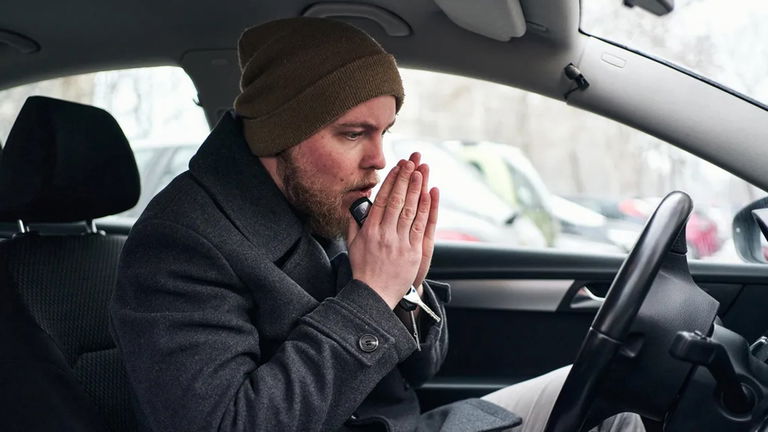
[177, 164]
[566, 178]
[154, 106]
[514, 168]
[150, 104]
[726, 41]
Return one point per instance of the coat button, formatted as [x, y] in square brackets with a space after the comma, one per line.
[368, 343]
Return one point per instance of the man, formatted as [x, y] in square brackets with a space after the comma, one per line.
[237, 307]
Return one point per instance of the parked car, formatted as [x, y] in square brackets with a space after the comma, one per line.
[516, 312]
[512, 176]
[470, 208]
[565, 224]
[701, 231]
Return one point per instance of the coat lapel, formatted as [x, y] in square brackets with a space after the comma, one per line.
[244, 191]
[247, 195]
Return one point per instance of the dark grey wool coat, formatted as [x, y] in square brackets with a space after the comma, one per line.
[231, 317]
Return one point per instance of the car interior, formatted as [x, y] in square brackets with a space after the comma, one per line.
[56, 291]
[678, 339]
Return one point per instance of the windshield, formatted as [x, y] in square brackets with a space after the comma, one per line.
[725, 41]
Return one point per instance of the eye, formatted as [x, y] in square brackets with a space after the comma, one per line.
[353, 136]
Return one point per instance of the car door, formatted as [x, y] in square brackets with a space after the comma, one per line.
[518, 311]
[516, 314]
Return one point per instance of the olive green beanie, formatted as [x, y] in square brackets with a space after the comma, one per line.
[300, 74]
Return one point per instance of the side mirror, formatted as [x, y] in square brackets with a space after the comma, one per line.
[747, 235]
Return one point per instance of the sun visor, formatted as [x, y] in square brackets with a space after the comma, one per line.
[496, 19]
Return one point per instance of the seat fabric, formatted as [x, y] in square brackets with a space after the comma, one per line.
[60, 366]
[38, 389]
[46, 272]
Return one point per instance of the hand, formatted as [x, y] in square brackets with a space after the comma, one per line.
[386, 253]
[428, 245]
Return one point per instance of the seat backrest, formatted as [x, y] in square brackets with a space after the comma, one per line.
[63, 163]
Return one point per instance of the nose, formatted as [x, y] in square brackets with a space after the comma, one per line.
[374, 154]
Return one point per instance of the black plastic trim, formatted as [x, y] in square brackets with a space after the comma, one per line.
[467, 261]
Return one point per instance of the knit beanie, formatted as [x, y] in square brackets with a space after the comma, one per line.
[300, 74]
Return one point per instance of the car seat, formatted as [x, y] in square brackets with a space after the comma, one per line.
[64, 164]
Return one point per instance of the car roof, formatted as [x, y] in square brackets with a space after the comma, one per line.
[80, 36]
[627, 86]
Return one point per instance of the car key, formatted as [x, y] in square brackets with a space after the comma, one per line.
[411, 299]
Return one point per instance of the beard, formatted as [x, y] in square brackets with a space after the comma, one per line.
[322, 210]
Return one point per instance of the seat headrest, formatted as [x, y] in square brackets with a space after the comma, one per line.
[65, 162]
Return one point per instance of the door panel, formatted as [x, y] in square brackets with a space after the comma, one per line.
[538, 295]
[512, 315]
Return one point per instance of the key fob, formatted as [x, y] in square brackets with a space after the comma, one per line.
[360, 209]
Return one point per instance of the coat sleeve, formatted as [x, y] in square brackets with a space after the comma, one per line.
[182, 320]
[423, 365]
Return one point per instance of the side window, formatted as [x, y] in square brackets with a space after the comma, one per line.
[177, 165]
[154, 106]
[524, 191]
[562, 178]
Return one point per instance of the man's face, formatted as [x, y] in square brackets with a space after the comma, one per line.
[323, 175]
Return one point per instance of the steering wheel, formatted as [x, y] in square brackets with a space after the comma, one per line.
[613, 321]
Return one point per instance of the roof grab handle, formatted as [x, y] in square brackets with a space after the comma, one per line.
[18, 42]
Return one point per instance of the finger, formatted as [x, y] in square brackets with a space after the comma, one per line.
[396, 198]
[424, 169]
[380, 202]
[415, 158]
[429, 232]
[418, 228]
[408, 214]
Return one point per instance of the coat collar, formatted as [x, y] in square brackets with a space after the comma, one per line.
[244, 190]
